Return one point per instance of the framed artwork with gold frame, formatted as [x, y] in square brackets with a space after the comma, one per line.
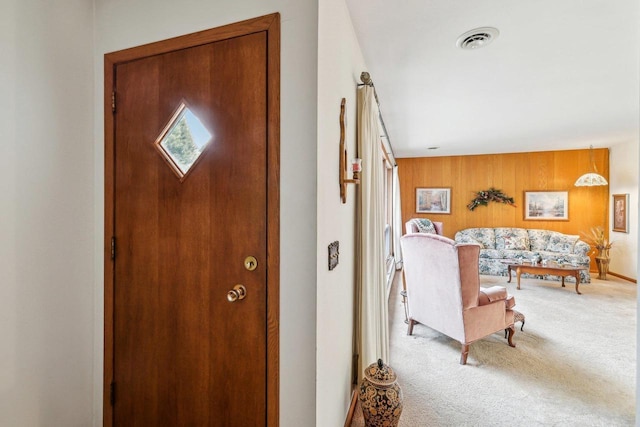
[621, 213]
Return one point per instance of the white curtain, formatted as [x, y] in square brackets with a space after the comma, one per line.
[372, 336]
[397, 219]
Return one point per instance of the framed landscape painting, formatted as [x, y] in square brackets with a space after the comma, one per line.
[620, 213]
[546, 205]
[433, 200]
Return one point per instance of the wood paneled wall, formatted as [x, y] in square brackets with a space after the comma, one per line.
[513, 174]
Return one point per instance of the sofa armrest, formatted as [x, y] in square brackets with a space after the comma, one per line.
[492, 294]
[581, 248]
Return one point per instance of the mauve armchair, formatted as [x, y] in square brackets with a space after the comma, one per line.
[444, 293]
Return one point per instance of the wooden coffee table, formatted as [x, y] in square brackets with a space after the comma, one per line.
[552, 268]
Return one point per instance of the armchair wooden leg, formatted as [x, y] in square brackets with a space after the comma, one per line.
[512, 331]
[410, 328]
[465, 353]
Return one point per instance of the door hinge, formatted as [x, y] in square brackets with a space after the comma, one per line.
[112, 393]
[113, 247]
[113, 101]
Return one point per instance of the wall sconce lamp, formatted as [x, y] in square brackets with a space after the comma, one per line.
[593, 178]
[356, 164]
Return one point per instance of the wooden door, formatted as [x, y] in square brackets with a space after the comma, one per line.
[183, 347]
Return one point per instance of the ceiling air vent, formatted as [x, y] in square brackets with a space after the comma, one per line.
[475, 39]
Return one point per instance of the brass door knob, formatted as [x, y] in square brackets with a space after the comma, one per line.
[239, 292]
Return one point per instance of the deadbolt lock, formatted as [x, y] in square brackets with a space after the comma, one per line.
[250, 263]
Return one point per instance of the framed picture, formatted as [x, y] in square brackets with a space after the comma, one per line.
[433, 200]
[546, 205]
[620, 213]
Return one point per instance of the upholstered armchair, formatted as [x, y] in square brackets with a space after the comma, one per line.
[411, 226]
[414, 225]
[444, 293]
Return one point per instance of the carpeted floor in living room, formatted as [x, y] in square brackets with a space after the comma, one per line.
[574, 364]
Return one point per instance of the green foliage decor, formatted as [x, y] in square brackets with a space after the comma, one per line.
[491, 195]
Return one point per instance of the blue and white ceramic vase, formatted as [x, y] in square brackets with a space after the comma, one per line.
[380, 396]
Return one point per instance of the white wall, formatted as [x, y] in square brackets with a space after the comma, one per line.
[623, 178]
[126, 23]
[46, 215]
[340, 63]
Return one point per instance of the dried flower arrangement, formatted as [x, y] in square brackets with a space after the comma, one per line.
[491, 195]
[596, 237]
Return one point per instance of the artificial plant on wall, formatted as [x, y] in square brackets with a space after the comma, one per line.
[491, 195]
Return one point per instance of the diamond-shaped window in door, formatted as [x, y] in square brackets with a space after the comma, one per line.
[183, 141]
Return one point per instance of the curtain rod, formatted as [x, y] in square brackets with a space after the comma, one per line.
[366, 81]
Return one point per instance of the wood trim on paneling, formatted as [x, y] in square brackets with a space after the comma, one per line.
[513, 173]
[628, 279]
[270, 24]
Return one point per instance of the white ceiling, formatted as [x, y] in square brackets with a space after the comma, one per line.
[563, 74]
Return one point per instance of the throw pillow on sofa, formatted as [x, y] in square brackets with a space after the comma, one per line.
[563, 243]
[513, 243]
[512, 239]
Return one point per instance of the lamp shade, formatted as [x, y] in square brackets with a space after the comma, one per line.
[590, 180]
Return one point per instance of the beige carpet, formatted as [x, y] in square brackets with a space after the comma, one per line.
[574, 365]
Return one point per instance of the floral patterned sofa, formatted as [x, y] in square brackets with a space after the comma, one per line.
[500, 244]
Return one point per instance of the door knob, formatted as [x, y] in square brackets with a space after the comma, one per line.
[238, 292]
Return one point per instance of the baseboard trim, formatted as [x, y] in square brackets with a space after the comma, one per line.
[628, 279]
[352, 408]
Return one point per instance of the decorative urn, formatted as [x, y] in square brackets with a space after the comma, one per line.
[380, 396]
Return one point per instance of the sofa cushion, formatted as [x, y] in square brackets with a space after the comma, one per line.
[465, 238]
[485, 236]
[538, 239]
[491, 253]
[515, 254]
[505, 254]
[514, 243]
[562, 243]
[563, 258]
[512, 239]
